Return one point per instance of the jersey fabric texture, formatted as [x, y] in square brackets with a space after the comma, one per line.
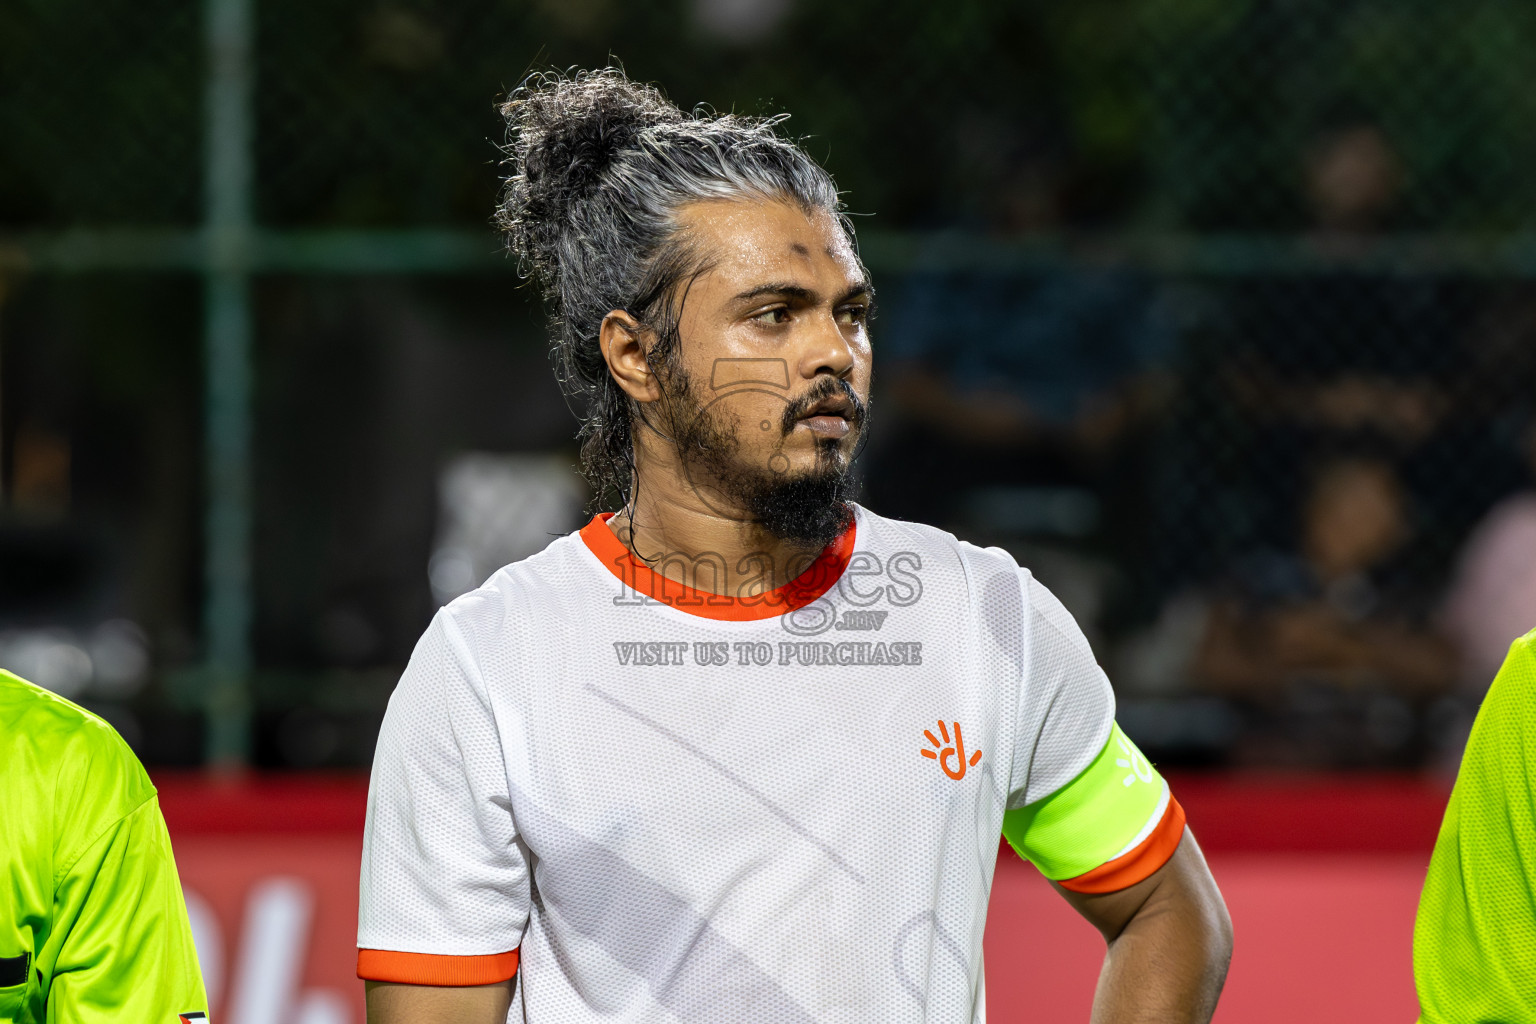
[657, 804]
[1474, 944]
[95, 926]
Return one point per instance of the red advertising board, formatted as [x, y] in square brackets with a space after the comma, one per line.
[1321, 875]
[269, 867]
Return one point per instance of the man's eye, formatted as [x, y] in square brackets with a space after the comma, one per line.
[853, 314]
[777, 315]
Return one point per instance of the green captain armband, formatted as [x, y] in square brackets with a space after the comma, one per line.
[1107, 829]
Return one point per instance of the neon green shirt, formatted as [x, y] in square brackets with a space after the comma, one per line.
[1474, 944]
[94, 926]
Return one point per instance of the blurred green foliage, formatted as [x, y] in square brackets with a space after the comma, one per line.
[1189, 114]
[1040, 117]
[100, 102]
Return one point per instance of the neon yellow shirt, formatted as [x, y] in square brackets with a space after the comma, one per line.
[94, 927]
[1474, 944]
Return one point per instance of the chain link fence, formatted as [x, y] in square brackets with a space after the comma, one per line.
[1219, 315]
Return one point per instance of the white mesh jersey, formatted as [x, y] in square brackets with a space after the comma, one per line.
[661, 805]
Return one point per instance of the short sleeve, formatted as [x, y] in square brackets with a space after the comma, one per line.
[444, 894]
[124, 945]
[1085, 806]
[1065, 706]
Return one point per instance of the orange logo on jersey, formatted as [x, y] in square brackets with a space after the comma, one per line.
[945, 753]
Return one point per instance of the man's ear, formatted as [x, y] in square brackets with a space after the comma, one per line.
[624, 342]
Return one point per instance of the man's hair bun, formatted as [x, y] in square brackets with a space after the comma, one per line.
[562, 133]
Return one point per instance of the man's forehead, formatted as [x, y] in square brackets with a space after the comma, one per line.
[770, 239]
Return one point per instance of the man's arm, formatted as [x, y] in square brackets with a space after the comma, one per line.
[443, 893]
[389, 1003]
[1170, 941]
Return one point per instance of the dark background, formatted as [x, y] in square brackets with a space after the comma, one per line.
[1177, 297]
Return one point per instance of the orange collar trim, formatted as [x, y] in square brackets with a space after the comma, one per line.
[815, 581]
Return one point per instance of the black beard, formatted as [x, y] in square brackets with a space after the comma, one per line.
[811, 509]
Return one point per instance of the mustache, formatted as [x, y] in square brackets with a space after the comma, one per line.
[824, 389]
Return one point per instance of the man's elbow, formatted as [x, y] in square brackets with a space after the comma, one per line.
[1209, 921]
[1190, 902]
[1218, 926]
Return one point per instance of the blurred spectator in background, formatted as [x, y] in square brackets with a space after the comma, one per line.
[1492, 599]
[1358, 350]
[1014, 385]
[1331, 637]
[1012, 388]
[1353, 179]
[1279, 367]
[1301, 373]
[1053, 364]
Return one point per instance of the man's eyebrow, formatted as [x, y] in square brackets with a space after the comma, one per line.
[793, 291]
[804, 294]
[864, 288]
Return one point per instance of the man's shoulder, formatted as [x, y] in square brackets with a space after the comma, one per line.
[55, 726]
[999, 586]
[527, 584]
[70, 759]
[1520, 668]
[1507, 718]
[891, 536]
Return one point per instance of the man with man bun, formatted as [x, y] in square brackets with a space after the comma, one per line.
[742, 750]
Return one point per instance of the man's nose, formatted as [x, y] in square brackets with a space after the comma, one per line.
[828, 350]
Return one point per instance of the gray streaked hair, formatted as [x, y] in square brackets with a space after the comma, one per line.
[600, 167]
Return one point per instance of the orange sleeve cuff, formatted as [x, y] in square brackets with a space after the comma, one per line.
[434, 968]
[1140, 863]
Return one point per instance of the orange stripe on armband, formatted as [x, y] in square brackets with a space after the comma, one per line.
[434, 968]
[1149, 855]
